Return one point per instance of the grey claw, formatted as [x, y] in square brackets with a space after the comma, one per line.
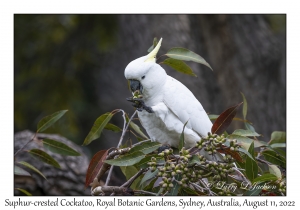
[139, 104]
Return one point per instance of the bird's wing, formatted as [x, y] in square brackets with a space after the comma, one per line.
[181, 101]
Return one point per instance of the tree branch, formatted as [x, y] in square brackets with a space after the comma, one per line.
[125, 127]
[25, 145]
[102, 190]
[131, 180]
[144, 192]
[122, 190]
[105, 166]
[207, 188]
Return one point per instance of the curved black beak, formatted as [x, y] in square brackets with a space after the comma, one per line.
[135, 85]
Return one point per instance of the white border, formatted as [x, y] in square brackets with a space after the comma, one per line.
[8, 8]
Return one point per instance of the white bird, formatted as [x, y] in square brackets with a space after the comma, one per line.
[167, 104]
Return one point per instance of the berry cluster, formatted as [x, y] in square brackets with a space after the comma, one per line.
[137, 94]
[190, 166]
[219, 170]
[152, 164]
[213, 142]
[282, 186]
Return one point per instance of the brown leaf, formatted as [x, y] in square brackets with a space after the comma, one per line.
[224, 120]
[94, 166]
[234, 154]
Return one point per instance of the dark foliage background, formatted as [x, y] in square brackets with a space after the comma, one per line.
[77, 62]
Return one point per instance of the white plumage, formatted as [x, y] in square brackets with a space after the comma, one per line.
[173, 104]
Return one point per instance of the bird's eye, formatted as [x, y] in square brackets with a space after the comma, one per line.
[143, 77]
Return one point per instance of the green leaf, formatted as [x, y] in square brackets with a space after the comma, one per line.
[241, 165]
[32, 168]
[49, 120]
[278, 137]
[245, 142]
[281, 151]
[179, 66]
[43, 156]
[181, 140]
[254, 191]
[278, 145]
[273, 169]
[248, 126]
[224, 120]
[213, 116]
[180, 53]
[242, 132]
[265, 178]
[149, 186]
[251, 165]
[149, 175]
[275, 158]
[98, 127]
[195, 160]
[59, 148]
[137, 129]
[24, 191]
[245, 106]
[113, 128]
[159, 192]
[154, 45]
[130, 171]
[146, 147]
[144, 161]
[20, 171]
[127, 159]
[174, 190]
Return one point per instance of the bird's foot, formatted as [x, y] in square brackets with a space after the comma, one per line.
[139, 104]
[163, 148]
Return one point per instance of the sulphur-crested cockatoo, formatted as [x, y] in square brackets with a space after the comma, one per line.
[166, 104]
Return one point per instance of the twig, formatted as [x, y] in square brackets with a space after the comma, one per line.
[207, 188]
[144, 192]
[197, 187]
[109, 175]
[263, 161]
[105, 165]
[131, 180]
[242, 175]
[125, 127]
[141, 142]
[25, 145]
[165, 193]
[160, 57]
[102, 190]
[111, 189]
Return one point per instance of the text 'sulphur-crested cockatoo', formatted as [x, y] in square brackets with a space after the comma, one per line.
[167, 104]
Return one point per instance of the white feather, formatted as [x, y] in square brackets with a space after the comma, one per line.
[173, 105]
